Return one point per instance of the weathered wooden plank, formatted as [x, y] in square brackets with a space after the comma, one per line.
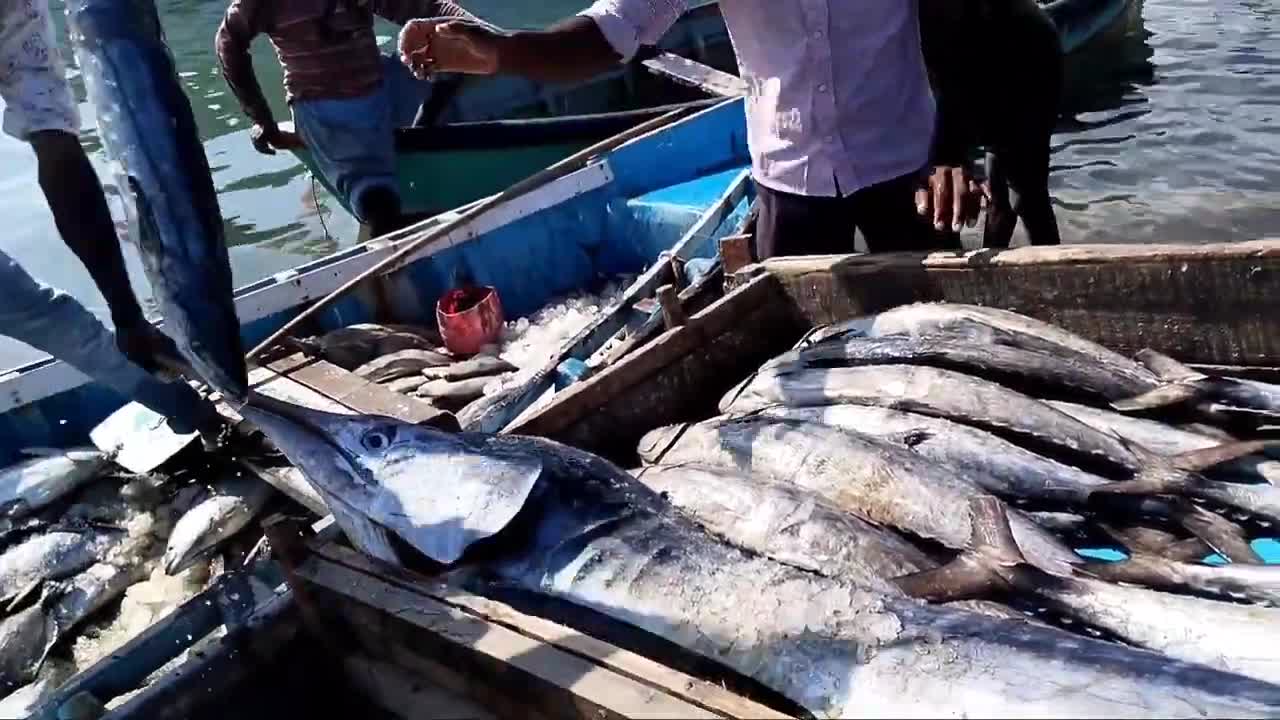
[399, 693]
[358, 393]
[677, 377]
[707, 695]
[695, 74]
[560, 684]
[1209, 304]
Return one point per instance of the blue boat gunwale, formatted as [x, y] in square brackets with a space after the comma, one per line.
[49, 403]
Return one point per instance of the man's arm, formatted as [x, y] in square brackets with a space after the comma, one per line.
[238, 28]
[608, 32]
[402, 11]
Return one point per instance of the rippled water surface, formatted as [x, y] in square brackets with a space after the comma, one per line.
[1170, 136]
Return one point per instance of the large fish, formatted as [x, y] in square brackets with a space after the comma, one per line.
[27, 637]
[554, 521]
[1236, 638]
[35, 483]
[1023, 477]
[1169, 440]
[52, 556]
[233, 502]
[1035, 372]
[147, 127]
[1258, 401]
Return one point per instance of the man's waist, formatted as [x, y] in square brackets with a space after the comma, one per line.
[332, 84]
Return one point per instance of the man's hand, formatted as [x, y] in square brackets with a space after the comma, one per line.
[152, 350]
[457, 46]
[268, 140]
[950, 198]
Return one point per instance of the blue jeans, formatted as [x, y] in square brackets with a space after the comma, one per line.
[353, 139]
[52, 321]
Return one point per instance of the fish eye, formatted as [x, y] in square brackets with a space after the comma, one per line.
[376, 440]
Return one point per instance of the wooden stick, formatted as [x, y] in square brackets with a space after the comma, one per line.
[554, 172]
[673, 314]
[693, 73]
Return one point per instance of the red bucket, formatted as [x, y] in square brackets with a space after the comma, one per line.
[469, 318]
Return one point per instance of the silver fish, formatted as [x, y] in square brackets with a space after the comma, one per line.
[1169, 440]
[147, 126]
[353, 346]
[589, 534]
[35, 483]
[1227, 636]
[401, 364]
[1258, 402]
[870, 478]
[453, 394]
[52, 556]
[478, 366]
[233, 502]
[27, 637]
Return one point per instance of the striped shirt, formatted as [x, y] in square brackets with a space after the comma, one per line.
[326, 47]
[838, 94]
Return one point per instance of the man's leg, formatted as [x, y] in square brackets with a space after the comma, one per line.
[1001, 220]
[353, 143]
[797, 225]
[56, 323]
[886, 214]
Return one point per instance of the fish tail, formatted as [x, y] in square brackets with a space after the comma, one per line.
[981, 570]
[1225, 537]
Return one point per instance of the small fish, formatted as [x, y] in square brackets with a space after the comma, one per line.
[478, 366]
[51, 556]
[401, 364]
[233, 502]
[407, 385]
[353, 346]
[35, 483]
[27, 637]
[1258, 402]
[453, 395]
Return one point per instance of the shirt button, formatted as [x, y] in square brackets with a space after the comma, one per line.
[817, 34]
[822, 88]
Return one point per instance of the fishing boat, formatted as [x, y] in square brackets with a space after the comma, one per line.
[496, 130]
[413, 645]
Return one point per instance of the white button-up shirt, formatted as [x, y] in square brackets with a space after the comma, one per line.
[839, 97]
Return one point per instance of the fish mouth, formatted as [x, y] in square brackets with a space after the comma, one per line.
[320, 427]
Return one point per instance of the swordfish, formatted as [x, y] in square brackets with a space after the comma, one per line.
[556, 521]
[148, 128]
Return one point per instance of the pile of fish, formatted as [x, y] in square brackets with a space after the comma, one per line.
[882, 522]
[90, 557]
[412, 359]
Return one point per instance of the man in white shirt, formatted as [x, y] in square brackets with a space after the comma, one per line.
[840, 113]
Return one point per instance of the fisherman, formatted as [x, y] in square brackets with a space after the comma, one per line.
[40, 110]
[840, 114]
[1005, 96]
[342, 91]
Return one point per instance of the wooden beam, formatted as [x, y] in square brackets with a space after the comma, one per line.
[495, 660]
[398, 692]
[1208, 304]
[706, 695]
[673, 314]
[359, 394]
[695, 74]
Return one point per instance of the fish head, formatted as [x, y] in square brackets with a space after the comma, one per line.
[440, 492]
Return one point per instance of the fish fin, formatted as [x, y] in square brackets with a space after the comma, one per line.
[24, 594]
[1166, 368]
[84, 456]
[1138, 569]
[1166, 395]
[1198, 460]
[1225, 537]
[979, 570]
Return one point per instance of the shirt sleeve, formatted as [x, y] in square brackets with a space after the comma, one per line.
[238, 29]
[628, 24]
[402, 11]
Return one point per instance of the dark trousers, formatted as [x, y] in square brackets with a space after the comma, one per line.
[885, 213]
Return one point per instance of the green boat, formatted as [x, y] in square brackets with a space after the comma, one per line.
[495, 131]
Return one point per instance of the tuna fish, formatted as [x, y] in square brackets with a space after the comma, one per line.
[478, 366]
[27, 637]
[33, 484]
[51, 556]
[148, 128]
[23, 702]
[1169, 440]
[1235, 638]
[1259, 402]
[551, 520]
[1023, 477]
[233, 502]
